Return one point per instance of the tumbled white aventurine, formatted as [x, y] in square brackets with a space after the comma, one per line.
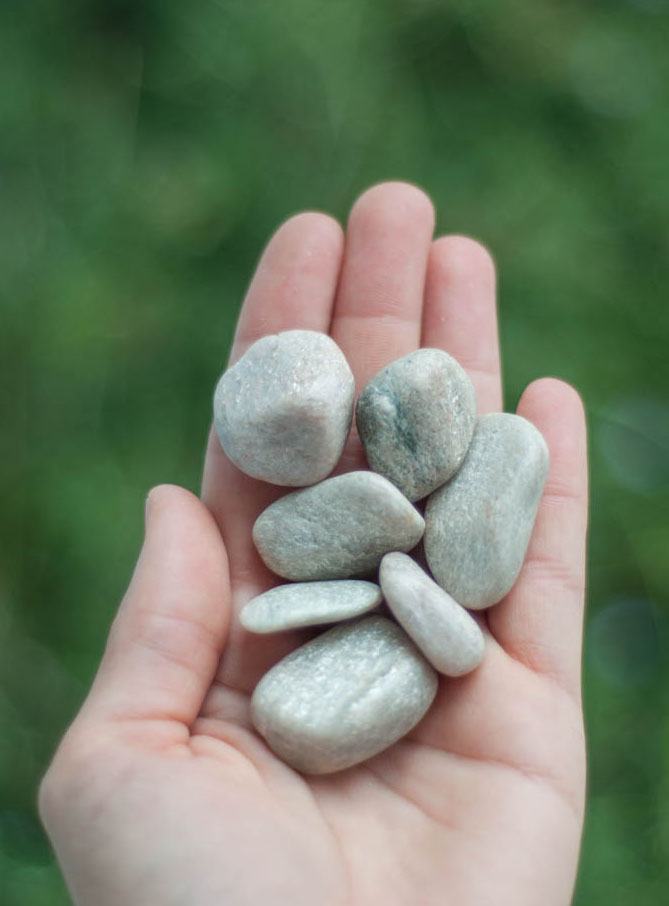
[309, 604]
[283, 411]
[283, 414]
[448, 636]
[478, 525]
[339, 528]
[344, 696]
[416, 419]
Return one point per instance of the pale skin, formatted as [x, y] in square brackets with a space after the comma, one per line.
[161, 794]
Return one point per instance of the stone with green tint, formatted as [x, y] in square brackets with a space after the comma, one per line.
[283, 411]
[344, 696]
[416, 419]
[449, 637]
[478, 525]
[309, 604]
[337, 529]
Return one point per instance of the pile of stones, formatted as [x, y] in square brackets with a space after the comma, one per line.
[283, 414]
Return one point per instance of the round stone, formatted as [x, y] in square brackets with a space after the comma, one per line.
[344, 696]
[478, 525]
[309, 604]
[339, 528]
[283, 411]
[416, 419]
[449, 637]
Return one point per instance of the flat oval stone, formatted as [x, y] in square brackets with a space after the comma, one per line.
[447, 635]
[416, 418]
[478, 525]
[339, 528]
[344, 696]
[309, 604]
[283, 412]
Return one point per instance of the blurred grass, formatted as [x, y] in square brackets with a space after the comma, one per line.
[148, 150]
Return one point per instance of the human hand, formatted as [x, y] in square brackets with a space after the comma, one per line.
[161, 793]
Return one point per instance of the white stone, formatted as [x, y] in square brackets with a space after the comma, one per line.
[283, 411]
[344, 696]
[339, 528]
[449, 637]
[416, 418]
[478, 525]
[309, 604]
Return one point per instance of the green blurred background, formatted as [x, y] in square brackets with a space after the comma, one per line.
[149, 147]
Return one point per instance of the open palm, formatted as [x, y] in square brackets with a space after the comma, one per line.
[161, 793]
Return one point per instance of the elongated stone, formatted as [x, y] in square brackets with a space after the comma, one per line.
[344, 696]
[283, 412]
[309, 604]
[478, 525]
[339, 528]
[416, 419]
[447, 635]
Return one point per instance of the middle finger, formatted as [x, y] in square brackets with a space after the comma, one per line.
[378, 308]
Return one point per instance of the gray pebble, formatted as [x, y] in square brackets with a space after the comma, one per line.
[344, 696]
[416, 419]
[309, 604]
[449, 637]
[478, 525]
[339, 528]
[283, 412]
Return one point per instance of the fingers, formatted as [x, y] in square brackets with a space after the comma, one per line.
[540, 621]
[164, 646]
[294, 284]
[379, 303]
[460, 313]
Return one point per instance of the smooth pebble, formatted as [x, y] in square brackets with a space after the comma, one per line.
[283, 411]
[416, 419]
[449, 637]
[339, 528]
[343, 697]
[478, 525]
[309, 604]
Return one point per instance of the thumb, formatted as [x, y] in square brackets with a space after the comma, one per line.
[165, 643]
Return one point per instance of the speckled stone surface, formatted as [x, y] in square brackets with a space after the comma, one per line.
[416, 419]
[344, 696]
[478, 525]
[449, 637]
[309, 604]
[283, 412]
[337, 529]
